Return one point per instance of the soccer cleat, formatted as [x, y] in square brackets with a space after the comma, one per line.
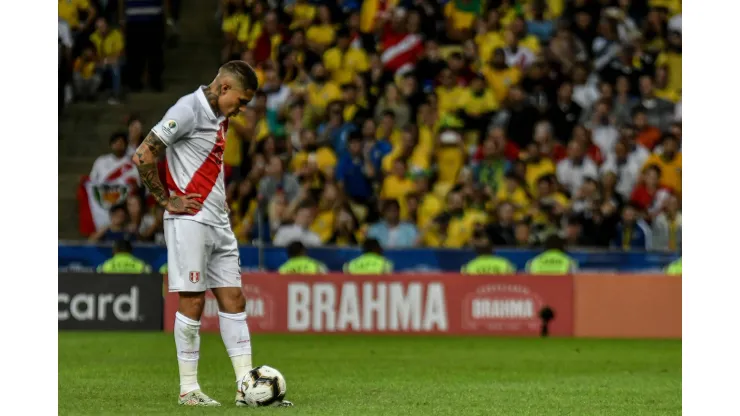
[197, 398]
[284, 403]
[240, 402]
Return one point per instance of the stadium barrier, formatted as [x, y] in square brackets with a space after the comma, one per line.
[110, 302]
[415, 304]
[76, 256]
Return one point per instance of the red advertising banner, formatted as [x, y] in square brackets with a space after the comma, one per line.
[424, 304]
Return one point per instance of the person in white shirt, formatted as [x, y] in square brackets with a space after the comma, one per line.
[626, 169]
[572, 170]
[298, 231]
[202, 251]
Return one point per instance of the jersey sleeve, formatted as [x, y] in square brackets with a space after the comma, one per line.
[177, 123]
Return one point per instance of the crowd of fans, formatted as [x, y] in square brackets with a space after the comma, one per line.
[426, 123]
[97, 39]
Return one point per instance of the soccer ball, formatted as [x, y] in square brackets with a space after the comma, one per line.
[263, 386]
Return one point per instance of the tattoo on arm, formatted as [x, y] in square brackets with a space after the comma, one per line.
[147, 154]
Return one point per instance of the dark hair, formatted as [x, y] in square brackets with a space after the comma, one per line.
[122, 246]
[668, 136]
[243, 73]
[390, 113]
[654, 167]
[554, 242]
[118, 135]
[295, 249]
[118, 207]
[639, 109]
[372, 245]
[391, 203]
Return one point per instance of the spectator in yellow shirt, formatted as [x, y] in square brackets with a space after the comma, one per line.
[501, 77]
[430, 205]
[109, 44]
[450, 157]
[488, 36]
[70, 11]
[321, 35]
[529, 41]
[454, 228]
[478, 105]
[323, 223]
[448, 94]
[86, 80]
[415, 157]
[397, 185]
[669, 163]
[513, 193]
[459, 21]
[302, 13]
[345, 62]
[321, 91]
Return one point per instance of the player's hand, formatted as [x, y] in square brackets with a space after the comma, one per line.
[183, 204]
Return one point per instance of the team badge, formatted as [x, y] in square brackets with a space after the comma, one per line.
[195, 277]
[169, 127]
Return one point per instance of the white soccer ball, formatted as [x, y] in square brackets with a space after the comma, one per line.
[263, 386]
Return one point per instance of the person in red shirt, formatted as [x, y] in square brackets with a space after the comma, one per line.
[647, 135]
[648, 195]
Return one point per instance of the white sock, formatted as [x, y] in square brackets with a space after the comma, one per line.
[235, 333]
[187, 340]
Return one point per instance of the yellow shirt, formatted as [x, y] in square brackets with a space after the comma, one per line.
[429, 207]
[248, 32]
[369, 11]
[418, 161]
[501, 80]
[110, 45]
[69, 10]
[459, 230]
[475, 105]
[670, 172]
[322, 34]
[668, 94]
[396, 188]
[323, 225]
[325, 159]
[343, 66]
[395, 138]
[426, 137]
[518, 198]
[450, 159]
[448, 99]
[233, 148]
[461, 20]
[320, 96]
[531, 42]
[302, 12]
[672, 61]
[673, 6]
[554, 8]
[232, 24]
[487, 43]
[86, 69]
[536, 170]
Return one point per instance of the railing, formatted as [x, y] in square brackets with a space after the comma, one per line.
[83, 256]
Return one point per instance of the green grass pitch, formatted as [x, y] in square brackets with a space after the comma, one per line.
[103, 373]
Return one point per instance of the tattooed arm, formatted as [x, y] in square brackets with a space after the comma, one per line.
[145, 159]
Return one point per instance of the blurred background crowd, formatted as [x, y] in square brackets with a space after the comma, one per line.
[431, 123]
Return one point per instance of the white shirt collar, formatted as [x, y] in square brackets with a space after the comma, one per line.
[204, 102]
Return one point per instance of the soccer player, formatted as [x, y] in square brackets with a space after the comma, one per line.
[202, 251]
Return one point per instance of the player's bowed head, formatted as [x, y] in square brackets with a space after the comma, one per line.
[233, 88]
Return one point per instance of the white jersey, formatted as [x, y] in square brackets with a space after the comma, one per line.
[194, 137]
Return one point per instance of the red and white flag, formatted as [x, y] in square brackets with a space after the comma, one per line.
[109, 184]
[401, 51]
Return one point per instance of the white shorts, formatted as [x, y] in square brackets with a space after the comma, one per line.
[200, 256]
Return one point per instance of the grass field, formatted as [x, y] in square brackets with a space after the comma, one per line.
[107, 373]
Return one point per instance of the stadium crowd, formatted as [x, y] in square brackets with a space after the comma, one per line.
[425, 123]
[98, 39]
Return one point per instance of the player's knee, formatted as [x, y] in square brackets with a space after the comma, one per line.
[230, 299]
[191, 305]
